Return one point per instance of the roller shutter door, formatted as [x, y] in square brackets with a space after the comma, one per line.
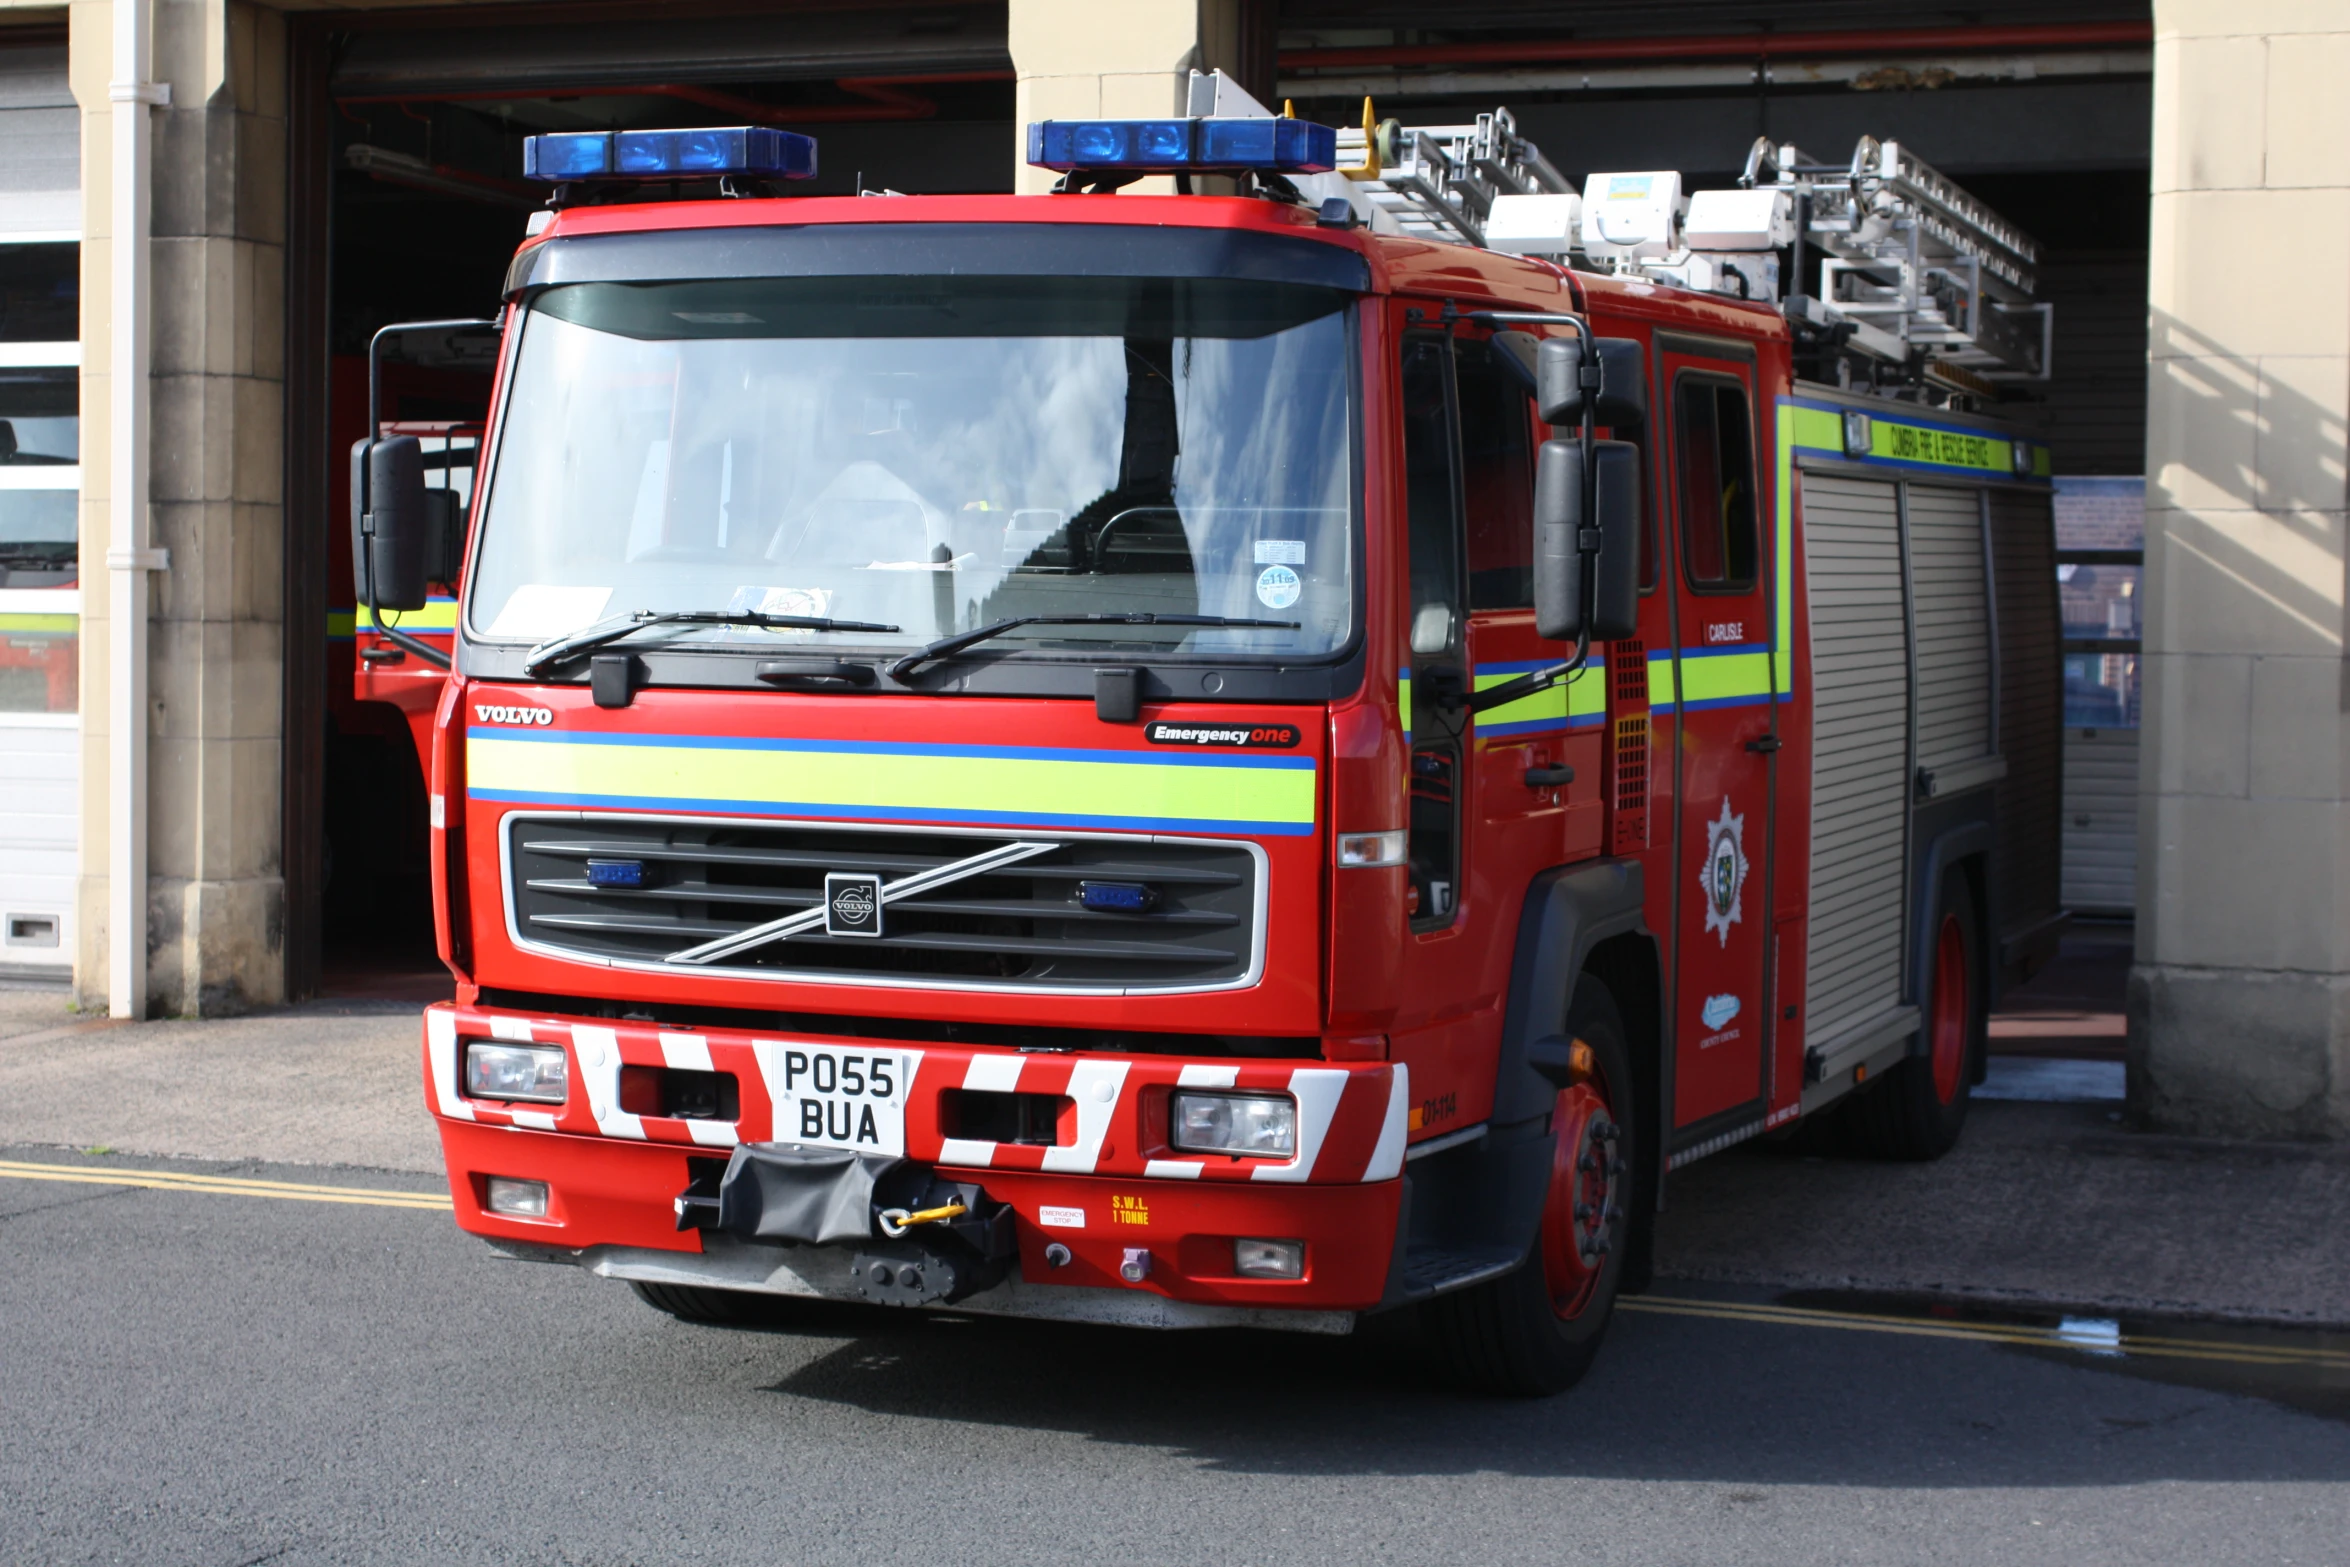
[40, 770]
[2101, 821]
[40, 749]
[1860, 762]
[41, 178]
[1953, 625]
[2031, 712]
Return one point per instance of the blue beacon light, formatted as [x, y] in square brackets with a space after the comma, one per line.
[754, 151]
[1272, 144]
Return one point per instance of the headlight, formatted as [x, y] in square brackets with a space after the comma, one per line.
[1261, 1125]
[539, 1073]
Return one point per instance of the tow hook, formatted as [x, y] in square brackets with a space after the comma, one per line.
[915, 1237]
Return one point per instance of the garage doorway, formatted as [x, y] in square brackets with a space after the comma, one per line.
[406, 201]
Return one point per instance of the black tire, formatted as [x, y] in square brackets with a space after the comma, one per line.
[1505, 1336]
[1918, 1110]
[718, 1308]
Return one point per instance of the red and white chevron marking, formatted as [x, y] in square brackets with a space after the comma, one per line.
[1351, 1117]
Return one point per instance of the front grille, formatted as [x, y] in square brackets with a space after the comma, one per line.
[666, 886]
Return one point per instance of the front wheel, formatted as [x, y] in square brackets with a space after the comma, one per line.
[1533, 1332]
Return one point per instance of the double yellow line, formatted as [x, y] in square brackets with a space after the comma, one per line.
[2235, 1353]
[2026, 1335]
[223, 1185]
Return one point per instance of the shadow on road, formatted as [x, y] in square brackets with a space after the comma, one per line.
[1671, 1399]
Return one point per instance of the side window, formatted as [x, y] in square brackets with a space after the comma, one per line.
[1713, 441]
[1431, 493]
[1497, 479]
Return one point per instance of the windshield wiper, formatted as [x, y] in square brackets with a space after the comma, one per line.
[555, 652]
[948, 647]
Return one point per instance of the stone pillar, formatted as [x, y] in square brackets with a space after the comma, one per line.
[1129, 59]
[216, 895]
[2240, 1001]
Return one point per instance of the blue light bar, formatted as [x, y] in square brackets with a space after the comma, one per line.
[755, 150]
[1203, 146]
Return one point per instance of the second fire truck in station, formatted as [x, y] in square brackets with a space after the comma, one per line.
[1253, 755]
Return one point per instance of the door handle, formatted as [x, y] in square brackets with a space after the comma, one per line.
[1553, 777]
[1765, 744]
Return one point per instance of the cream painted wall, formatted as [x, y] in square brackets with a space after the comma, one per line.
[216, 894]
[2240, 1004]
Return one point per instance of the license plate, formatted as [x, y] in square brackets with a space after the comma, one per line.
[827, 1097]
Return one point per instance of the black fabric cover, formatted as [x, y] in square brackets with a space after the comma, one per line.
[814, 1196]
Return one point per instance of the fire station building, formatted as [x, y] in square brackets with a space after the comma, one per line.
[205, 213]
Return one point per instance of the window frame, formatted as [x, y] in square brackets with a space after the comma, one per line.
[1689, 580]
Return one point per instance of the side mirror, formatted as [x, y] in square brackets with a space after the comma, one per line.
[1431, 630]
[391, 532]
[444, 535]
[1622, 402]
[1518, 354]
[1608, 537]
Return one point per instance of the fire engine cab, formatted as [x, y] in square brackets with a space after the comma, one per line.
[1255, 755]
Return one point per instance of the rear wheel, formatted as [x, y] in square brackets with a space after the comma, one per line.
[1920, 1108]
[1535, 1331]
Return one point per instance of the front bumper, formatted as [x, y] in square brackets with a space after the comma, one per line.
[1106, 1186]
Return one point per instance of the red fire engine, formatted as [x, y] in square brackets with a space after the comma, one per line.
[1218, 758]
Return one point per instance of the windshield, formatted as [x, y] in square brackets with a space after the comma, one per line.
[931, 453]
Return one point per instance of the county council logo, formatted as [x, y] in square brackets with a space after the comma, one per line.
[1722, 875]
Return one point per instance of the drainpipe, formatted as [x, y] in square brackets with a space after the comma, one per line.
[130, 553]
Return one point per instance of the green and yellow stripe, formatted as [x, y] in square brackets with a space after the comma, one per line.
[1222, 792]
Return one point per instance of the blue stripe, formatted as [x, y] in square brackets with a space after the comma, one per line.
[1757, 700]
[1537, 725]
[1172, 757]
[881, 813]
[1725, 650]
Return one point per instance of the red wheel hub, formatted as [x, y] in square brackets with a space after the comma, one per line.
[1948, 1025]
[1589, 1184]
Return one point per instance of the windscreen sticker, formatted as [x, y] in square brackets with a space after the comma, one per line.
[812, 602]
[1238, 737]
[1278, 587]
[545, 609]
[1281, 552]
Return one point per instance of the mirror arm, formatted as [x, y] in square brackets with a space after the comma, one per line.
[1532, 681]
[1589, 375]
[392, 634]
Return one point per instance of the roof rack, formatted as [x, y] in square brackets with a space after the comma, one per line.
[1913, 256]
[1441, 181]
[1922, 287]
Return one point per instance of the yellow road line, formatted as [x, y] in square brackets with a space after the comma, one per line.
[223, 1185]
[2021, 1332]
[1989, 1333]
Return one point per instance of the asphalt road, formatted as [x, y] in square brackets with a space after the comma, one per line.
[210, 1374]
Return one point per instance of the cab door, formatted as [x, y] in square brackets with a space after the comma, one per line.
[1519, 750]
[1726, 715]
[1487, 795]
